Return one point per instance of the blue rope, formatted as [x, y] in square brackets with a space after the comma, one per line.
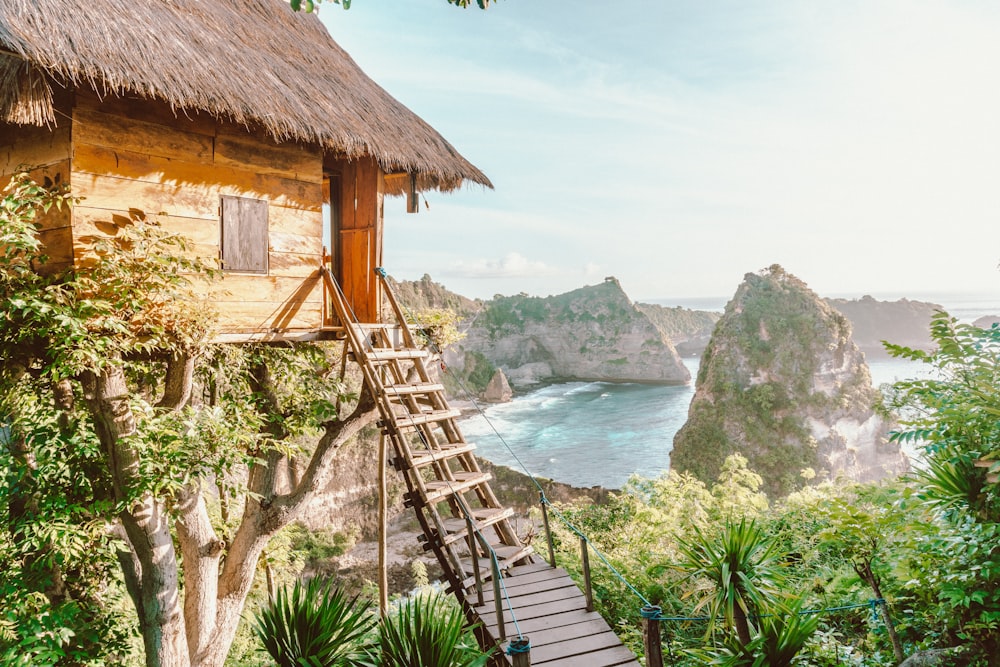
[519, 645]
[653, 612]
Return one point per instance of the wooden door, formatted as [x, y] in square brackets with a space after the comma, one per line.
[356, 234]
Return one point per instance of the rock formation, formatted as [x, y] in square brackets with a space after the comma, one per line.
[902, 322]
[592, 333]
[688, 330]
[782, 383]
[498, 390]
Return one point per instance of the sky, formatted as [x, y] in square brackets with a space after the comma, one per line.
[680, 145]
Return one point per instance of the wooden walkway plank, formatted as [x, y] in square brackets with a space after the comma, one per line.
[579, 646]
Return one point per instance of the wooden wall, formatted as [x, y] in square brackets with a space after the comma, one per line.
[46, 153]
[138, 154]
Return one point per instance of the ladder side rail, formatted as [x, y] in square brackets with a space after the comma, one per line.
[397, 311]
[414, 481]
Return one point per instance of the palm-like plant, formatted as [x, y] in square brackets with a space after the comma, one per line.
[779, 640]
[316, 625]
[743, 566]
[426, 631]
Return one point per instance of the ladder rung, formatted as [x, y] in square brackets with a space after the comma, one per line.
[446, 452]
[458, 528]
[426, 417]
[438, 489]
[410, 389]
[379, 355]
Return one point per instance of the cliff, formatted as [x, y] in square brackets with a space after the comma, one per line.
[592, 333]
[688, 330]
[782, 382]
[901, 322]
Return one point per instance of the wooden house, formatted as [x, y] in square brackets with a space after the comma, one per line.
[234, 121]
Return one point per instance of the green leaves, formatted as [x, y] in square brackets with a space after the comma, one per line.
[316, 625]
[427, 631]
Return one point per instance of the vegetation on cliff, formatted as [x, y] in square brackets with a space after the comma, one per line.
[780, 361]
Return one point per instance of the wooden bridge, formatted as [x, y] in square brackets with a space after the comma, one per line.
[502, 585]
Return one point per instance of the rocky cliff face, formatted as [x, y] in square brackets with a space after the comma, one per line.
[593, 333]
[902, 322]
[688, 330]
[782, 383]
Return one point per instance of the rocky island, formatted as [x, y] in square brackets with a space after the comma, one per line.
[782, 383]
[592, 333]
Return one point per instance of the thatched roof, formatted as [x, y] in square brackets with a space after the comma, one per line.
[255, 62]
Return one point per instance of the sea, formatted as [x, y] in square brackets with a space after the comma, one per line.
[601, 433]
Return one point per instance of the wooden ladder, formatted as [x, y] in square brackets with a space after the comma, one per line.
[449, 493]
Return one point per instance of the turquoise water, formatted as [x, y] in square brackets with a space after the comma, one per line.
[600, 433]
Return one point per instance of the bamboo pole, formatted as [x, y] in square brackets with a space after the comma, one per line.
[383, 564]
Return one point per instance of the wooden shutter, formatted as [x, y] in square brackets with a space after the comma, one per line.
[244, 234]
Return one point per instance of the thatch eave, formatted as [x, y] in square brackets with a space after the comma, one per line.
[252, 62]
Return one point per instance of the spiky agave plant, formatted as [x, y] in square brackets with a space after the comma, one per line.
[744, 568]
[316, 624]
[426, 631]
[780, 637]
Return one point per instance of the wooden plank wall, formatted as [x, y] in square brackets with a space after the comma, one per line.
[138, 154]
[46, 153]
[362, 188]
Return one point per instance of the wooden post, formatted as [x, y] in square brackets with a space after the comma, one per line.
[474, 555]
[585, 559]
[497, 599]
[651, 636]
[383, 564]
[520, 652]
[548, 532]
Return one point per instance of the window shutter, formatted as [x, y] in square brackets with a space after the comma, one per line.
[244, 234]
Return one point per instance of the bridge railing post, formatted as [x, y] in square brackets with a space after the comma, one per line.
[651, 635]
[497, 597]
[585, 560]
[474, 556]
[548, 531]
[520, 652]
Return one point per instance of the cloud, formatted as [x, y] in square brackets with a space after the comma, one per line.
[511, 265]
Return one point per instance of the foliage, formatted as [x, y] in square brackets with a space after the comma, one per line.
[427, 631]
[125, 312]
[954, 415]
[437, 328]
[779, 641]
[58, 590]
[743, 569]
[315, 625]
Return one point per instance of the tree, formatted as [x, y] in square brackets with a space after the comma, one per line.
[106, 357]
[953, 414]
[862, 533]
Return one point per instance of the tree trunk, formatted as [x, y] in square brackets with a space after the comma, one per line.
[146, 522]
[864, 571]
